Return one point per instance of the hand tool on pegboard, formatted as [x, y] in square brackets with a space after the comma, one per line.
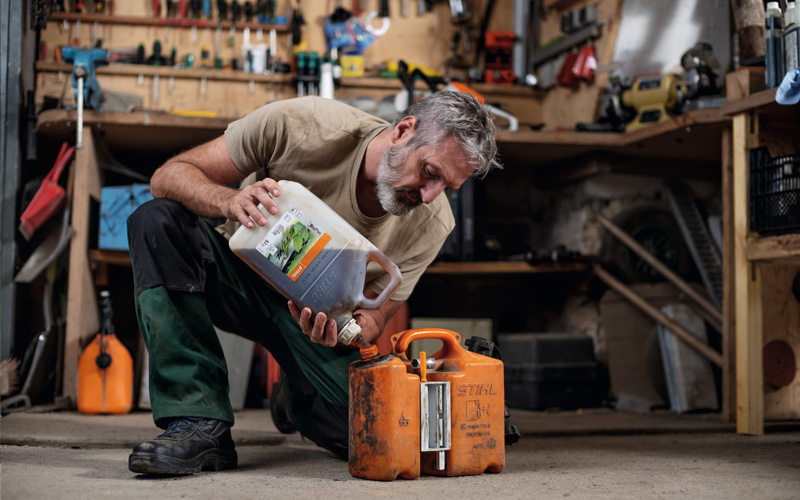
[84, 80]
[49, 198]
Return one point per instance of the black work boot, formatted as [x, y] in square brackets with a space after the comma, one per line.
[190, 444]
[277, 407]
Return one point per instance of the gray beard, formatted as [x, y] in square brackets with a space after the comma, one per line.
[388, 174]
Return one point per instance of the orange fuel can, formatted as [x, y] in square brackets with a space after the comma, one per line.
[437, 415]
[106, 389]
[384, 419]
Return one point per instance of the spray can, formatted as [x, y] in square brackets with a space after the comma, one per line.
[312, 256]
[773, 45]
[791, 41]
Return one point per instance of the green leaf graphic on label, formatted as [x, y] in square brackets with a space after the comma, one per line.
[298, 243]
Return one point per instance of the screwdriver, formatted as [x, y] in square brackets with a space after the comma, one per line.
[248, 11]
[156, 13]
[260, 19]
[182, 13]
[235, 12]
[195, 15]
[99, 5]
[168, 14]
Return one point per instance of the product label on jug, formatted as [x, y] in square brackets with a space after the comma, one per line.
[293, 243]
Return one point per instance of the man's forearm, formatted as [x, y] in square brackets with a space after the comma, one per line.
[374, 320]
[185, 183]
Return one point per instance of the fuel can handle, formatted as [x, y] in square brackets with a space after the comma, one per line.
[451, 340]
[396, 279]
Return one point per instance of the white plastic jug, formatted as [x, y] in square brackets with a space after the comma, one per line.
[312, 256]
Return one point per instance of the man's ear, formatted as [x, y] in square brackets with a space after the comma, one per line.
[404, 129]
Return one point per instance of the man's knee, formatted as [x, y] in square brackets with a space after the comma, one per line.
[158, 215]
[168, 246]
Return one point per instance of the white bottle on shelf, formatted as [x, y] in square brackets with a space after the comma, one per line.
[791, 38]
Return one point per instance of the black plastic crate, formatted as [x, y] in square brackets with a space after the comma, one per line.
[551, 370]
[774, 193]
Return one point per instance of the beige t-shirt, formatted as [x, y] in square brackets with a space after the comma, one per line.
[320, 143]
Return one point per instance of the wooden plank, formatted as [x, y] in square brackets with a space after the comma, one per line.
[665, 271]
[166, 71]
[114, 257]
[728, 290]
[781, 322]
[657, 315]
[173, 22]
[784, 246]
[749, 103]
[82, 311]
[743, 83]
[747, 282]
[505, 267]
[139, 119]
[158, 132]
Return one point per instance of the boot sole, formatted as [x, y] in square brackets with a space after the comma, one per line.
[209, 460]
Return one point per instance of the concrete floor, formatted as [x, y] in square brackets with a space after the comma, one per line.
[592, 454]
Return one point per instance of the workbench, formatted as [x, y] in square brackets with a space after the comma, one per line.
[757, 120]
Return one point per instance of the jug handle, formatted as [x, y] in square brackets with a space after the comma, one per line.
[450, 339]
[394, 283]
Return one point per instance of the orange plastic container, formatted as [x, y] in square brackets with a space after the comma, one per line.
[105, 390]
[456, 400]
[477, 404]
[384, 420]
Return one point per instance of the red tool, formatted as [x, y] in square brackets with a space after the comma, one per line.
[48, 199]
[585, 64]
[565, 75]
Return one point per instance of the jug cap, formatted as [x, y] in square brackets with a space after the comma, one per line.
[349, 331]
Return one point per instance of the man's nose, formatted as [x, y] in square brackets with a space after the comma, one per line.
[431, 190]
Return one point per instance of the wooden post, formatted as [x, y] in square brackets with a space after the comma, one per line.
[747, 283]
[728, 290]
[82, 311]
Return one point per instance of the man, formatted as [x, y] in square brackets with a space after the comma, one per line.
[384, 180]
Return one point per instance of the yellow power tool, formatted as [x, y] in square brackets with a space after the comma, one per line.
[654, 99]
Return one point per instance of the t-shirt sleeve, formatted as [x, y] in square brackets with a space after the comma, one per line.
[265, 133]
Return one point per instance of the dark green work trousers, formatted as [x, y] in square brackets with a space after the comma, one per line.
[187, 280]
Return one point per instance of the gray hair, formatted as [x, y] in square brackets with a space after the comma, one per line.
[459, 115]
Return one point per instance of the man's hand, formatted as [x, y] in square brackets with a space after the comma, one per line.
[244, 203]
[319, 330]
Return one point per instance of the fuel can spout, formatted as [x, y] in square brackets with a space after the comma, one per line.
[368, 351]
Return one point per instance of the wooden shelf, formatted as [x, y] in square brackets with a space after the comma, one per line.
[763, 103]
[504, 267]
[122, 258]
[366, 82]
[785, 246]
[155, 131]
[166, 71]
[172, 22]
[685, 137]
[113, 257]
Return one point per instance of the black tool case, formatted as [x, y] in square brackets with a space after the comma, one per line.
[551, 370]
